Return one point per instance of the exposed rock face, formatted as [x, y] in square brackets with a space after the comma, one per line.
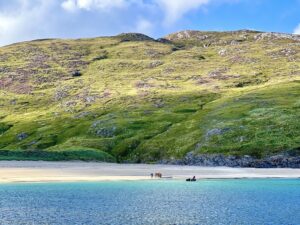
[274, 35]
[230, 38]
[61, 93]
[203, 36]
[155, 63]
[276, 161]
[216, 131]
[187, 34]
[103, 129]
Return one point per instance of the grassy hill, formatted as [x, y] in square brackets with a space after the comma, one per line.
[133, 98]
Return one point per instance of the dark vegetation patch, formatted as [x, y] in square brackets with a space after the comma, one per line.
[4, 127]
[200, 57]
[61, 155]
[259, 78]
[101, 56]
[186, 110]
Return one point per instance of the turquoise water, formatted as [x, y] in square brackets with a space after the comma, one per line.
[266, 201]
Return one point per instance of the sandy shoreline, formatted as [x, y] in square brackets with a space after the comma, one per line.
[38, 171]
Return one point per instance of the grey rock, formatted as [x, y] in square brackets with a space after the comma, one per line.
[82, 115]
[274, 35]
[155, 63]
[222, 52]
[104, 129]
[214, 160]
[22, 136]
[61, 93]
[216, 131]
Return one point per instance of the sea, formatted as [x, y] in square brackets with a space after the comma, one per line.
[170, 202]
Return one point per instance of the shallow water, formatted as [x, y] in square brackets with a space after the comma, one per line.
[253, 201]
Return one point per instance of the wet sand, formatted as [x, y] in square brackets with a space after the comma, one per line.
[40, 171]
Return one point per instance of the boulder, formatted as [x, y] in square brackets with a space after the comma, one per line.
[76, 73]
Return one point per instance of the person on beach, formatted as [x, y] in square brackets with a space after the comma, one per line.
[191, 179]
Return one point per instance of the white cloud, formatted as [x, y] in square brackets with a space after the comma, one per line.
[144, 26]
[176, 9]
[24, 22]
[32, 19]
[72, 5]
[297, 30]
[6, 23]
[69, 5]
[172, 10]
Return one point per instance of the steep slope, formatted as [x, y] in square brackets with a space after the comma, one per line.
[133, 98]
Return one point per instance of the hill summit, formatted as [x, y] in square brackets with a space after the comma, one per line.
[134, 37]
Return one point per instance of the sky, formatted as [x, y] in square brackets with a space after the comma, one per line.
[22, 20]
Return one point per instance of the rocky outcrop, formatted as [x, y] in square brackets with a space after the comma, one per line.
[103, 128]
[274, 35]
[187, 34]
[284, 160]
[134, 37]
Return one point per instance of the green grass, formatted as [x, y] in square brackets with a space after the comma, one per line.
[84, 154]
[140, 100]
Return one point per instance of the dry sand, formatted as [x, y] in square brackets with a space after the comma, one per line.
[39, 171]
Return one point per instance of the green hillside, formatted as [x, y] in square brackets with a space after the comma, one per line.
[133, 98]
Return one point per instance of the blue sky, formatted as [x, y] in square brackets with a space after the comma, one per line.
[22, 20]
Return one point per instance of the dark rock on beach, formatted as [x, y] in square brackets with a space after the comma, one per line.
[285, 160]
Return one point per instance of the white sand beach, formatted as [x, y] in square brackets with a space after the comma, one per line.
[39, 171]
